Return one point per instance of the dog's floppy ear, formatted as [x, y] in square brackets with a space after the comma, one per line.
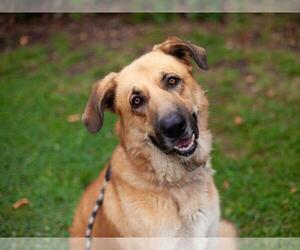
[184, 51]
[101, 98]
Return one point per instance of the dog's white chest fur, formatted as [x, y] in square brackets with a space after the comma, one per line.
[199, 210]
[200, 213]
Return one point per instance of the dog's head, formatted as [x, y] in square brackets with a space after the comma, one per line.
[157, 99]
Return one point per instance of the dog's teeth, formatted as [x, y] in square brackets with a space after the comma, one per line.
[188, 147]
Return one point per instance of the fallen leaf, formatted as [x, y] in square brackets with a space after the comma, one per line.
[250, 79]
[20, 203]
[271, 93]
[83, 36]
[238, 120]
[24, 40]
[293, 189]
[74, 118]
[296, 80]
[229, 45]
[226, 184]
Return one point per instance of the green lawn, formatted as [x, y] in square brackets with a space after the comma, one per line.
[254, 89]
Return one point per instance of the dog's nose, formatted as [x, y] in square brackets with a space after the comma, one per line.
[173, 125]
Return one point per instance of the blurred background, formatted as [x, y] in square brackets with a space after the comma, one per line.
[48, 63]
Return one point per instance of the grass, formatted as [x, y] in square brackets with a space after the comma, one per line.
[50, 161]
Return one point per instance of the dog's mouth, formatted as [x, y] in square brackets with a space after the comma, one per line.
[186, 146]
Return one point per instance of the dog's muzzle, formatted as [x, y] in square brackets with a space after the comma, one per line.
[177, 133]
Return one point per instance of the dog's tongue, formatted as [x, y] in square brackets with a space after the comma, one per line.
[182, 143]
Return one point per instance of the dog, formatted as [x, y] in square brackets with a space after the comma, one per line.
[161, 181]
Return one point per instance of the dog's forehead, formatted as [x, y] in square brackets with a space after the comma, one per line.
[148, 69]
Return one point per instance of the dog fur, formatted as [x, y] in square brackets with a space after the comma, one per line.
[151, 193]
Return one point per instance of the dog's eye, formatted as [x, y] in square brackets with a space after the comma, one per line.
[172, 81]
[137, 101]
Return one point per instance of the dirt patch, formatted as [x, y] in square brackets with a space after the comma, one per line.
[110, 29]
[114, 30]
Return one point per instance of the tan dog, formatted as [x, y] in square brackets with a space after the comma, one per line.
[162, 183]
